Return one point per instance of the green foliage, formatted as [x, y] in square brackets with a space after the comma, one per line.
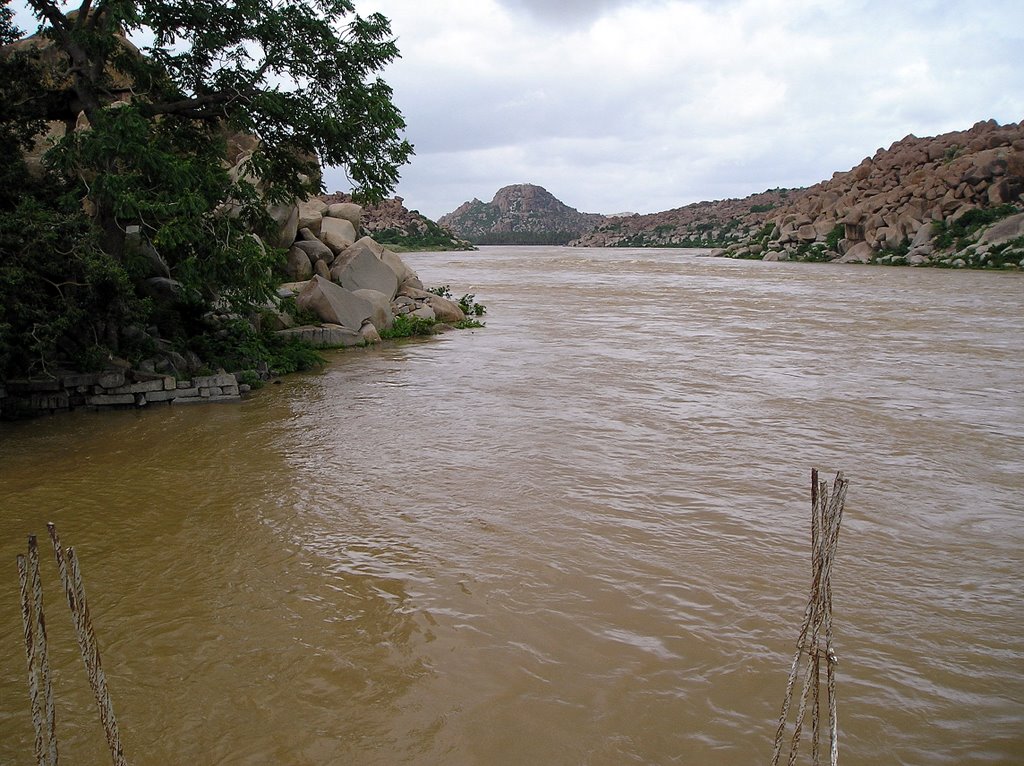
[833, 238]
[470, 307]
[1006, 254]
[237, 345]
[762, 208]
[946, 234]
[408, 326]
[301, 316]
[298, 78]
[467, 302]
[433, 237]
[952, 153]
[469, 324]
[62, 298]
[894, 256]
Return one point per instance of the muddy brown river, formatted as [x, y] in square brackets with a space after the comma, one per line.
[578, 536]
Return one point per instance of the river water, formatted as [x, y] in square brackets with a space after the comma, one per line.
[578, 536]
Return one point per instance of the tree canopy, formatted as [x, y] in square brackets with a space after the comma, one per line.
[144, 100]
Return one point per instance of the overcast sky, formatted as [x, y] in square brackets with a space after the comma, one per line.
[646, 105]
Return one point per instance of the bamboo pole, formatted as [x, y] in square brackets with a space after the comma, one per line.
[74, 588]
[826, 517]
[28, 622]
[49, 710]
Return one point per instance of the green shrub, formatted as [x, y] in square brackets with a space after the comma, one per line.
[946, 234]
[408, 326]
[238, 346]
[833, 238]
[470, 307]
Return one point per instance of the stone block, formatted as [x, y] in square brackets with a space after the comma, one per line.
[108, 400]
[161, 396]
[186, 393]
[139, 388]
[79, 380]
[220, 379]
[112, 379]
[198, 399]
[49, 400]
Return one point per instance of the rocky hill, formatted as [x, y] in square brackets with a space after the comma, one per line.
[949, 200]
[702, 224]
[390, 223]
[522, 214]
[952, 200]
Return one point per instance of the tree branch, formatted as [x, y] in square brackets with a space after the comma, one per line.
[200, 106]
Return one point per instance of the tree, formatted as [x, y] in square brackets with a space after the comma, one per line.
[146, 133]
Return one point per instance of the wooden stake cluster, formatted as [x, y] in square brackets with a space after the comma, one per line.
[816, 632]
[43, 717]
[39, 684]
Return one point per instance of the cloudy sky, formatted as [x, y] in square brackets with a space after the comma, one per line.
[645, 105]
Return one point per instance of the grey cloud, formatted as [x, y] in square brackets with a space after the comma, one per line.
[565, 12]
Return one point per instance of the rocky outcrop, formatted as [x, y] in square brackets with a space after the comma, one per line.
[702, 224]
[519, 215]
[923, 201]
[390, 223]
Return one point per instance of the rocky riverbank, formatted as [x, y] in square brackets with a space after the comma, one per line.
[952, 201]
[341, 291]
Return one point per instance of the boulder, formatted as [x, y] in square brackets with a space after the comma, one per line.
[291, 289]
[382, 317]
[297, 265]
[311, 213]
[337, 233]
[807, 233]
[859, 253]
[286, 224]
[375, 247]
[321, 268]
[316, 250]
[358, 269]
[348, 211]
[369, 333]
[444, 309]
[923, 236]
[334, 304]
[1004, 230]
[424, 312]
[397, 265]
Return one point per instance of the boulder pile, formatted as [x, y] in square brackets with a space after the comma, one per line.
[355, 287]
[951, 200]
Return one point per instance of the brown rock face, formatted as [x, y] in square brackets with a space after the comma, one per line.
[877, 208]
[702, 224]
[886, 199]
[519, 214]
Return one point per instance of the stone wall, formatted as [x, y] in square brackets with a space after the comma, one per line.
[116, 389]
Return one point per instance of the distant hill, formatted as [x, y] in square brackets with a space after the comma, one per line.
[702, 224]
[521, 214]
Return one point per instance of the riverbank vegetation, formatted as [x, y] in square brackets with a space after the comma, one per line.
[125, 231]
